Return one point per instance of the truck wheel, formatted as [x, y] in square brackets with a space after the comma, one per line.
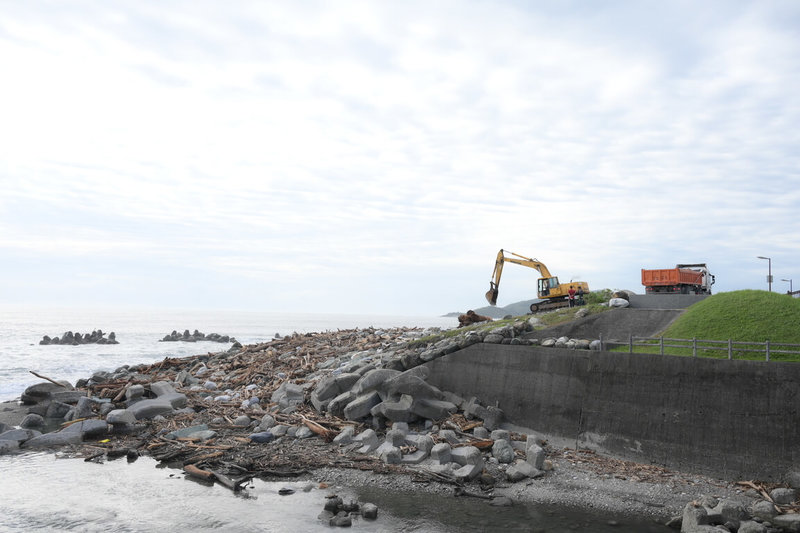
[534, 308]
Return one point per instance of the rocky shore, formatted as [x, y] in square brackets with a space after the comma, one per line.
[354, 406]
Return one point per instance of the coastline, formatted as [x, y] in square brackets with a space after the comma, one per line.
[575, 478]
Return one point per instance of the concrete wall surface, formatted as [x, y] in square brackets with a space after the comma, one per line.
[731, 419]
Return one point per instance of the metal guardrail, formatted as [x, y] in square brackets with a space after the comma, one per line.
[767, 348]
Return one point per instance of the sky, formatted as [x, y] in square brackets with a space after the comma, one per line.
[373, 157]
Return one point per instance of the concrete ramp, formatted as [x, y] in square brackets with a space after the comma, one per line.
[617, 324]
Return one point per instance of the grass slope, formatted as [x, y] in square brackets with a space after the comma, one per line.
[741, 316]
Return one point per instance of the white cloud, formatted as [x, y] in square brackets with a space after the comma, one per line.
[285, 143]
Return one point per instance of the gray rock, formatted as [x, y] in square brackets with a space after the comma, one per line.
[280, 430]
[783, 496]
[749, 526]
[499, 434]
[242, 421]
[42, 391]
[522, 470]
[787, 522]
[361, 406]
[52, 440]
[84, 408]
[8, 446]
[57, 410]
[267, 421]
[121, 417]
[493, 338]
[761, 509]
[693, 516]
[134, 392]
[201, 435]
[88, 429]
[32, 421]
[146, 409]
[793, 479]
[160, 388]
[369, 511]
[303, 433]
[502, 451]
[449, 435]
[67, 396]
[481, 432]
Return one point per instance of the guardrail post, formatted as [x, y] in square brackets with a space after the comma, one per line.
[730, 350]
[766, 346]
[662, 344]
[601, 342]
[630, 343]
[694, 346]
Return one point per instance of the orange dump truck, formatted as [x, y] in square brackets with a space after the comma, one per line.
[683, 279]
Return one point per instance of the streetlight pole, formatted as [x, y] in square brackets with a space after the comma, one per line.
[790, 284]
[769, 275]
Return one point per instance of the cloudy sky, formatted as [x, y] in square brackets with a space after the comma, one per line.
[374, 156]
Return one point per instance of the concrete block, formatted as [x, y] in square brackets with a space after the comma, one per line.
[373, 379]
[535, 455]
[468, 472]
[399, 411]
[345, 436]
[337, 404]
[433, 409]
[369, 440]
[423, 443]
[440, 453]
[361, 406]
[466, 455]
[391, 456]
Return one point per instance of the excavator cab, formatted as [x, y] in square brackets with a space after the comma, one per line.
[545, 284]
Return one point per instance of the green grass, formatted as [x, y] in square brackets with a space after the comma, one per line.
[744, 316]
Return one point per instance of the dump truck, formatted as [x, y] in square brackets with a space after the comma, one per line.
[683, 279]
[552, 294]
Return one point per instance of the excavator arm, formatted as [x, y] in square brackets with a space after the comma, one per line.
[494, 284]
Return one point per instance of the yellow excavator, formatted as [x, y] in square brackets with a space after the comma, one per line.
[553, 293]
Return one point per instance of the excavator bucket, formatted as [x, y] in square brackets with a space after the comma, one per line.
[491, 294]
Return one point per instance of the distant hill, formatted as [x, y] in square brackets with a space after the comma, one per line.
[515, 309]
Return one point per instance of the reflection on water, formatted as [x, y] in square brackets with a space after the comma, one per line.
[41, 491]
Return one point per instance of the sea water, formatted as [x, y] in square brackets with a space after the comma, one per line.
[47, 492]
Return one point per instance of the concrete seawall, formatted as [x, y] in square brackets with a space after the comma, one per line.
[733, 419]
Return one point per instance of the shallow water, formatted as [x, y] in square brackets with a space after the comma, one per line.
[44, 492]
